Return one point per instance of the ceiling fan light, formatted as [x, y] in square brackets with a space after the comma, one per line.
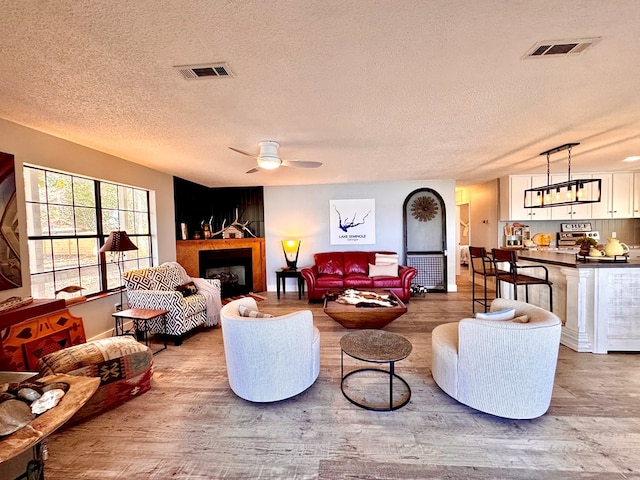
[268, 157]
[269, 163]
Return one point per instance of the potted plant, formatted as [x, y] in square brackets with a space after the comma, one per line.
[585, 243]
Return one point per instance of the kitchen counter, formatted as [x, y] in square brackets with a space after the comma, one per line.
[566, 259]
[595, 299]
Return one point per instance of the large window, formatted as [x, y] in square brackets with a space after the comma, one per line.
[68, 218]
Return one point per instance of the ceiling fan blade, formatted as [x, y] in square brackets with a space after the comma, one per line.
[242, 152]
[300, 164]
[253, 170]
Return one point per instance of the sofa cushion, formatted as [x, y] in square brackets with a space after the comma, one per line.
[372, 256]
[390, 270]
[386, 282]
[357, 280]
[245, 311]
[329, 281]
[386, 258]
[187, 289]
[356, 262]
[506, 314]
[330, 263]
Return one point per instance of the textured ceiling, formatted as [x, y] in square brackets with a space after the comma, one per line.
[377, 90]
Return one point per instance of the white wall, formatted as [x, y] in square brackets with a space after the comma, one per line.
[303, 212]
[483, 214]
[36, 148]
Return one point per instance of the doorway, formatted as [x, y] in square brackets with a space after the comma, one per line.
[463, 236]
[425, 238]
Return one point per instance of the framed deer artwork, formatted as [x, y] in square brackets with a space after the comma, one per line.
[352, 221]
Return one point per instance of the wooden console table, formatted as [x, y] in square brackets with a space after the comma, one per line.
[27, 333]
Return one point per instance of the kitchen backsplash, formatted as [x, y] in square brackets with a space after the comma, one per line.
[627, 229]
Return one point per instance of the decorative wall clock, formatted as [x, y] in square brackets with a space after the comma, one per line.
[424, 208]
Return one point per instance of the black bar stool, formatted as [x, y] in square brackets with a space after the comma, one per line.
[514, 277]
[482, 264]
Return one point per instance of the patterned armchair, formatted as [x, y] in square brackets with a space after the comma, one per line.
[156, 288]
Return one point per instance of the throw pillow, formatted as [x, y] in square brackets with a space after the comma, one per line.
[521, 319]
[507, 314]
[187, 289]
[249, 312]
[386, 258]
[390, 270]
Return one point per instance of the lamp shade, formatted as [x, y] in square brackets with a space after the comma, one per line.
[291, 249]
[118, 241]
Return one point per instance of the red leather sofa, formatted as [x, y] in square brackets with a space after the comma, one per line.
[334, 271]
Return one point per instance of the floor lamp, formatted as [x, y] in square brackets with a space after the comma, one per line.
[118, 243]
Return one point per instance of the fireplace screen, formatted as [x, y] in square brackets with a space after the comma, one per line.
[233, 267]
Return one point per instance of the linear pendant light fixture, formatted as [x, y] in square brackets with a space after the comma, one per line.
[571, 192]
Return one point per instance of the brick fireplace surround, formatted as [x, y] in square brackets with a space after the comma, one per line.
[187, 256]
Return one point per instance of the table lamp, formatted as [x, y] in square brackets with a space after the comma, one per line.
[118, 243]
[291, 249]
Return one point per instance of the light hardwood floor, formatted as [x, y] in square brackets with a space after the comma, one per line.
[191, 426]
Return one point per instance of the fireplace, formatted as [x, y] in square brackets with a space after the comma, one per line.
[187, 255]
[231, 266]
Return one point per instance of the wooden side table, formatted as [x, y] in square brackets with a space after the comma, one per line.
[140, 315]
[283, 274]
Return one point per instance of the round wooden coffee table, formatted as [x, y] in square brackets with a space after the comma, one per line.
[376, 346]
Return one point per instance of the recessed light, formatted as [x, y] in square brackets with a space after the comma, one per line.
[635, 158]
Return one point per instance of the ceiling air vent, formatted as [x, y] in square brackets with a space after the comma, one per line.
[205, 70]
[561, 47]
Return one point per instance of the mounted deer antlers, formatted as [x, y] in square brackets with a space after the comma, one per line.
[234, 224]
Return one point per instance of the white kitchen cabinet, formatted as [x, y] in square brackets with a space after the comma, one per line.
[571, 212]
[620, 198]
[539, 213]
[636, 195]
[616, 196]
[517, 184]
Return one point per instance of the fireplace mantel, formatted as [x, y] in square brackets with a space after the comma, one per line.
[187, 256]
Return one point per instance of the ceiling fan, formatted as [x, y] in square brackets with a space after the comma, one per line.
[269, 160]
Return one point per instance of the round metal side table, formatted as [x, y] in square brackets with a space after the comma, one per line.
[376, 346]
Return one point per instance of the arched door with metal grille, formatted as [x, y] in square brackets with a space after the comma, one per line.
[425, 238]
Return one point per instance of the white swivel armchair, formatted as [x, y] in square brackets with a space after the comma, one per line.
[503, 368]
[269, 359]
